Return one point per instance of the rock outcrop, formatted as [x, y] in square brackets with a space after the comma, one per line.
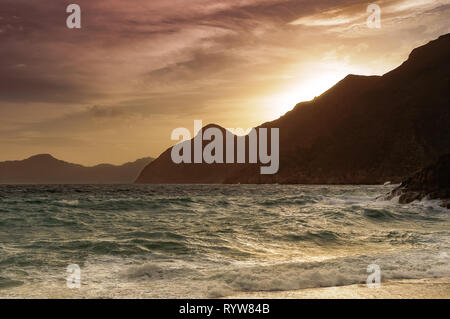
[432, 182]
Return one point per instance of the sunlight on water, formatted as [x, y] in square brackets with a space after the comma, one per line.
[212, 241]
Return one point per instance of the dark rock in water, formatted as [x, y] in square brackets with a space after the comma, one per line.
[432, 182]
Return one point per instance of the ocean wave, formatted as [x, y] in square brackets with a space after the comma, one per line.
[218, 240]
[68, 202]
[157, 272]
[331, 273]
[291, 200]
[152, 235]
[133, 204]
[379, 214]
[215, 279]
[9, 283]
[322, 237]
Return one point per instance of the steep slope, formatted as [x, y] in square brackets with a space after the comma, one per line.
[364, 130]
[45, 169]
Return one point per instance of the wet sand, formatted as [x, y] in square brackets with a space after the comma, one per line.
[435, 288]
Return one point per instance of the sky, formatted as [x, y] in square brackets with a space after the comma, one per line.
[113, 90]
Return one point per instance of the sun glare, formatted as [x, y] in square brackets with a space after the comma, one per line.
[304, 90]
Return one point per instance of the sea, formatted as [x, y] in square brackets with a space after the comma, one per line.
[212, 241]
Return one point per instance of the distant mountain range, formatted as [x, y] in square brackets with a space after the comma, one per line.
[45, 169]
[364, 130]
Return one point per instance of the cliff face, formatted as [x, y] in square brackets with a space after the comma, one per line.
[432, 182]
[45, 169]
[364, 130]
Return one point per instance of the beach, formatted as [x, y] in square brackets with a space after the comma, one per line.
[429, 288]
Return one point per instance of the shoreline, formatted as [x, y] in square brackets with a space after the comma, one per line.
[426, 288]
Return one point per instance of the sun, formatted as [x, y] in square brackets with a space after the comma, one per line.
[302, 90]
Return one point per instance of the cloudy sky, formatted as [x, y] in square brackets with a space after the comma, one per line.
[114, 90]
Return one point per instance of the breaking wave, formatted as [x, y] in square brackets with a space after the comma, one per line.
[212, 241]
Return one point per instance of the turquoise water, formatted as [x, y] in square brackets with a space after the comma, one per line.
[212, 241]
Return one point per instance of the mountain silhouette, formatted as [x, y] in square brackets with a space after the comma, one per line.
[164, 171]
[363, 130]
[45, 169]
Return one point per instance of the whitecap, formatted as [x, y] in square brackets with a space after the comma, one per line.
[74, 202]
